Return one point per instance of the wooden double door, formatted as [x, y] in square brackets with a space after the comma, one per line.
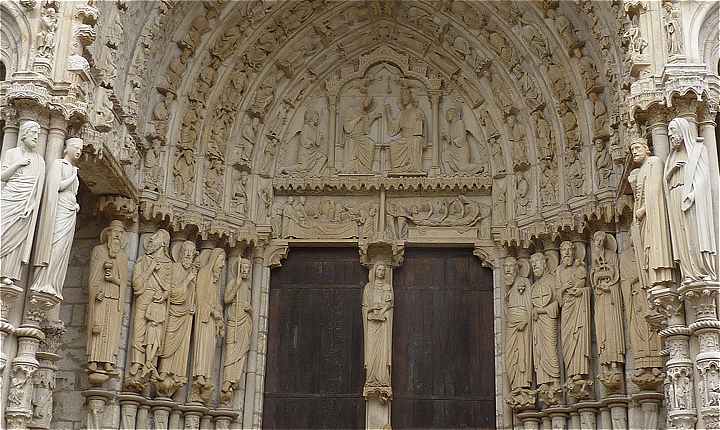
[443, 341]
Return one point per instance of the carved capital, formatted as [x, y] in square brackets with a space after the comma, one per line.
[115, 207]
[275, 253]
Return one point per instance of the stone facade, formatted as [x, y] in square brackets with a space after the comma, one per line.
[571, 145]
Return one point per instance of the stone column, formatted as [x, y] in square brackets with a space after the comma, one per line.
[332, 133]
[649, 407]
[44, 378]
[192, 417]
[530, 420]
[558, 416]
[657, 123]
[435, 102]
[679, 391]
[95, 402]
[57, 130]
[605, 418]
[129, 403]
[143, 416]
[161, 408]
[175, 418]
[702, 297]
[618, 412]
[10, 132]
[18, 409]
[252, 379]
[588, 415]
[223, 418]
[707, 132]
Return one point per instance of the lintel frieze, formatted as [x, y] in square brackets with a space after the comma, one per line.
[375, 183]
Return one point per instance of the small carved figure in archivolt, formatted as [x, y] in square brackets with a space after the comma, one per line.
[239, 326]
[377, 310]
[23, 175]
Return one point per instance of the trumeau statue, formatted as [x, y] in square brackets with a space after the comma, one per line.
[377, 311]
[518, 323]
[152, 277]
[574, 295]
[545, 313]
[239, 328]
[56, 227]
[359, 147]
[409, 127]
[107, 285]
[605, 277]
[208, 323]
[687, 180]
[461, 154]
[173, 361]
[23, 175]
[650, 228]
[307, 148]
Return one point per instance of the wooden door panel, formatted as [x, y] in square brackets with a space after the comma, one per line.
[314, 357]
[443, 342]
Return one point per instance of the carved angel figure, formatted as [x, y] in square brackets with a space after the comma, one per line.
[460, 156]
[307, 148]
[23, 175]
[107, 284]
[57, 223]
[239, 326]
[377, 310]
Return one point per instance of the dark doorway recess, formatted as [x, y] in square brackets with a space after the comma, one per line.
[443, 342]
[314, 372]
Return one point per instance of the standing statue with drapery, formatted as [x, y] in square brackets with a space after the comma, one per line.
[107, 284]
[650, 228]
[208, 323]
[610, 335]
[377, 311]
[173, 363]
[575, 338]
[57, 222]
[518, 332]
[23, 176]
[545, 313]
[151, 283]
[688, 183]
[239, 326]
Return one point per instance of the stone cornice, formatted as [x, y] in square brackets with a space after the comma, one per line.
[677, 80]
